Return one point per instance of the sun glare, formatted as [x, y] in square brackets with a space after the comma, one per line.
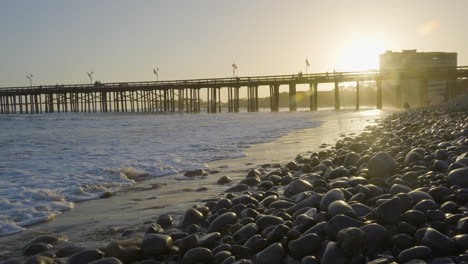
[358, 55]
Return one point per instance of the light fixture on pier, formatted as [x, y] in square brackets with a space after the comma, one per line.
[29, 77]
[90, 75]
[307, 64]
[156, 72]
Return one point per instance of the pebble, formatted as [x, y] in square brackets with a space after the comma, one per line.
[126, 250]
[220, 223]
[273, 254]
[304, 245]
[458, 177]
[198, 255]
[381, 165]
[85, 256]
[296, 187]
[164, 220]
[352, 240]
[224, 180]
[414, 253]
[156, 244]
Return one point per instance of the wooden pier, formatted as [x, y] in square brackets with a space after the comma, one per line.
[185, 95]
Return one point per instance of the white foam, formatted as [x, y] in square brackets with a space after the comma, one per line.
[49, 162]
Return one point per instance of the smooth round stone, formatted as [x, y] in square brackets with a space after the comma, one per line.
[41, 260]
[303, 222]
[296, 187]
[251, 182]
[222, 221]
[164, 220]
[338, 223]
[281, 204]
[352, 240]
[155, 228]
[340, 207]
[399, 188]
[68, 250]
[85, 256]
[238, 188]
[48, 239]
[266, 185]
[224, 180]
[198, 255]
[35, 248]
[389, 212]
[458, 177]
[331, 196]
[156, 244]
[222, 204]
[440, 244]
[412, 157]
[241, 252]
[305, 245]
[380, 165]
[442, 260]
[128, 250]
[415, 217]
[462, 225]
[210, 240]
[425, 205]
[403, 241]
[107, 261]
[273, 254]
[435, 215]
[277, 233]
[377, 237]
[440, 166]
[417, 252]
[461, 242]
[229, 260]
[187, 243]
[256, 243]
[418, 196]
[221, 256]
[192, 216]
[449, 207]
[268, 220]
[245, 232]
[350, 159]
[333, 254]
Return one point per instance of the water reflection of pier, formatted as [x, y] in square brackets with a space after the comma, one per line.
[184, 95]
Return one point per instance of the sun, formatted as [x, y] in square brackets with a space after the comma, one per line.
[359, 55]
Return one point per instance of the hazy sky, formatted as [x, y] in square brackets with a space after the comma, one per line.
[59, 41]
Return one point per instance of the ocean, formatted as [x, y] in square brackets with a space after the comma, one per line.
[50, 162]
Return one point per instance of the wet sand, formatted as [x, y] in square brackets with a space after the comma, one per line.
[95, 223]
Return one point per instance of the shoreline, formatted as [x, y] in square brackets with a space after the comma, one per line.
[105, 213]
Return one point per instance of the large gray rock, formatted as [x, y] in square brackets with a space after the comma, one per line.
[220, 223]
[331, 196]
[296, 187]
[156, 244]
[273, 254]
[381, 165]
[458, 177]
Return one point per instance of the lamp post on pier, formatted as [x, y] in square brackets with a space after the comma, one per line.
[156, 72]
[307, 64]
[29, 77]
[90, 75]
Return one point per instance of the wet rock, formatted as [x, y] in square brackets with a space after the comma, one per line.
[340, 207]
[156, 244]
[187, 243]
[350, 159]
[252, 181]
[195, 173]
[241, 252]
[247, 231]
[41, 260]
[192, 216]
[107, 261]
[296, 187]
[220, 223]
[417, 252]
[273, 254]
[68, 250]
[381, 165]
[277, 233]
[413, 156]
[458, 177]
[164, 220]
[440, 244]
[125, 250]
[222, 204]
[198, 255]
[399, 188]
[377, 237]
[425, 205]
[268, 220]
[238, 188]
[210, 240]
[333, 254]
[331, 196]
[256, 243]
[415, 217]
[85, 256]
[352, 240]
[224, 180]
[389, 212]
[305, 245]
[403, 241]
[35, 248]
[340, 222]
[221, 256]
[462, 225]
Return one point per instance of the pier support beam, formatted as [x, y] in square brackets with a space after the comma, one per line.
[252, 98]
[313, 95]
[274, 98]
[378, 83]
[337, 96]
[292, 97]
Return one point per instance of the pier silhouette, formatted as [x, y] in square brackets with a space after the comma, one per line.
[185, 95]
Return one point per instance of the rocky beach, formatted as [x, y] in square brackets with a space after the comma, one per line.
[395, 193]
